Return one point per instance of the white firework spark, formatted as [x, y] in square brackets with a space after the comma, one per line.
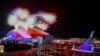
[22, 13]
[30, 22]
[22, 17]
[49, 17]
[12, 20]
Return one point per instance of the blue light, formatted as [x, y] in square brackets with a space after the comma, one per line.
[87, 45]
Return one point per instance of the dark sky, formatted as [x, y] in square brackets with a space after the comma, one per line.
[75, 18]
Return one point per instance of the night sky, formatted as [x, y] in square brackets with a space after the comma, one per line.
[75, 18]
